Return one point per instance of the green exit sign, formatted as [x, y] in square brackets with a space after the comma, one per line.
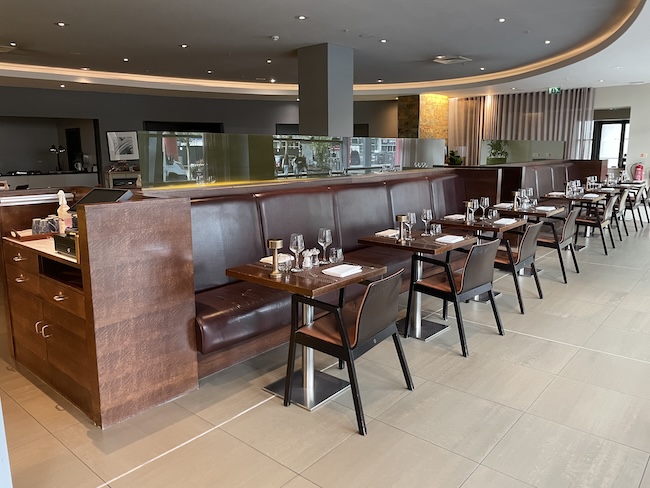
[555, 90]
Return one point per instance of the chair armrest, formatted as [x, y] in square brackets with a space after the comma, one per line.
[315, 303]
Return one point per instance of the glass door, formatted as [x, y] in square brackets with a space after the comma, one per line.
[610, 142]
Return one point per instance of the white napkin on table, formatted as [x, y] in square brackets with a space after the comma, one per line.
[282, 257]
[590, 195]
[544, 209]
[342, 270]
[449, 239]
[556, 194]
[503, 205]
[455, 217]
[387, 233]
[505, 221]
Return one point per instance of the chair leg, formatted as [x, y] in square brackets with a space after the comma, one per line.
[407, 320]
[539, 287]
[640, 219]
[497, 318]
[402, 362]
[518, 290]
[618, 229]
[602, 237]
[356, 396]
[341, 364]
[625, 225]
[573, 255]
[461, 329]
[291, 363]
[444, 310]
[611, 235]
[559, 255]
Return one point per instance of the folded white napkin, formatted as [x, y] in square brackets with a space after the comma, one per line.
[449, 239]
[455, 217]
[608, 189]
[590, 195]
[556, 194]
[342, 270]
[544, 209]
[503, 205]
[505, 221]
[387, 233]
[282, 257]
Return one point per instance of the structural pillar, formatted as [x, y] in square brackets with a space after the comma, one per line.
[424, 116]
[326, 79]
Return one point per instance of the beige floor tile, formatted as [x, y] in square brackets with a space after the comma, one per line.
[570, 331]
[485, 477]
[46, 463]
[493, 379]
[616, 416]
[216, 459]
[645, 483]
[616, 341]
[463, 423]
[20, 427]
[630, 320]
[565, 306]
[292, 435]
[616, 373]
[528, 351]
[640, 303]
[549, 455]
[300, 482]
[388, 457]
[112, 451]
[380, 386]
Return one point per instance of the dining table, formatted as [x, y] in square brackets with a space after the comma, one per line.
[423, 330]
[310, 387]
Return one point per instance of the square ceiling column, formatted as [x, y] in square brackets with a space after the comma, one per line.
[326, 78]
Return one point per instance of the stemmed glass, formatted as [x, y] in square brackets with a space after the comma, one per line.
[427, 217]
[474, 207]
[297, 245]
[411, 220]
[324, 239]
[484, 203]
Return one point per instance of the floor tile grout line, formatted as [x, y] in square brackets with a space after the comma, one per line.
[184, 443]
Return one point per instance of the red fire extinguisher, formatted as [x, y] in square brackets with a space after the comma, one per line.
[638, 172]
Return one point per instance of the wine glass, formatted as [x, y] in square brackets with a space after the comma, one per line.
[473, 207]
[427, 217]
[411, 220]
[324, 239]
[484, 203]
[296, 245]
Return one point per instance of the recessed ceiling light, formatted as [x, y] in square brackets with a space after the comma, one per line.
[601, 81]
[268, 61]
[126, 60]
[85, 68]
[380, 80]
[62, 85]
[482, 69]
[547, 41]
[297, 99]
[513, 88]
[501, 19]
[209, 71]
[383, 41]
[275, 38]
[13, 44]
[301, 17]
[617, 67]
[61, 24]
[184, 46]
[272, 80]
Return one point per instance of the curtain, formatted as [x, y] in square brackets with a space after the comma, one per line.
[567, 116]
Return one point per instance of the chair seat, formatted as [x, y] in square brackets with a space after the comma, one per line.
[325, 328]
[546, 238]
[441, 283]
[502, 256]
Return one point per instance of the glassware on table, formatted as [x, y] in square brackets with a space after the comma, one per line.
[436, 229]
[474, 207]
[427, 217]
[336, 255]
[484, 203]
[297, 245]
[411, 220]
[324, 239]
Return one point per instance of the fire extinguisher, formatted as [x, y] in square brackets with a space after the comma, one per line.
[638, 172]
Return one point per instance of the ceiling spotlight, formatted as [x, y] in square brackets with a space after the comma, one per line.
[268, 61]
[501, 20]
[297, 99]
[209, 71]
[301, 17]
[13, 44]
[380, 80]
[482, 69]
[547, 41]
[383, 41]
[184, 46]
[275, 38]
[272, 80]
[126, 60]
[62, 85]
[513, 88]
[61, 24]
[601, 81]
[85, 68]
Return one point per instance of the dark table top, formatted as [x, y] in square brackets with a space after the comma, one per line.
[310, 283]
[531, 212]
[427, 245]
[487, 225]
[580, 198]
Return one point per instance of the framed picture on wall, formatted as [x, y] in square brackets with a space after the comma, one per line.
[123, 146]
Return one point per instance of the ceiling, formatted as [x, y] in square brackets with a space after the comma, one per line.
[231, 46]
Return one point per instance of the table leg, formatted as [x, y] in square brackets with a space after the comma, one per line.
[423, 330]
[309, 388]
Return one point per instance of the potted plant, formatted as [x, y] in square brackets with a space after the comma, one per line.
[498, 151]
[454, 159]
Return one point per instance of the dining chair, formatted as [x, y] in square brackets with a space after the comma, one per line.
[635, 201]
[517, 259]
[600, 219]
[562, 239]
[475, 277]
[619, 213]
[348, 332]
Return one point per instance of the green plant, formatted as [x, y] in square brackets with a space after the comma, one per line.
[498, 148]
[454, 158]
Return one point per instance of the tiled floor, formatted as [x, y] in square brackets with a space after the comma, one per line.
[562, 400]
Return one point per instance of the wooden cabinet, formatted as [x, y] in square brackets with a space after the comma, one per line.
[114, 332]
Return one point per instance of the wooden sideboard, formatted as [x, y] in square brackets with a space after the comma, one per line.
[114, 333]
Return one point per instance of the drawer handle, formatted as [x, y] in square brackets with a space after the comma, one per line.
[43, 331]
[36, 326]
[18, 257]
[60, 297]
[20, 279]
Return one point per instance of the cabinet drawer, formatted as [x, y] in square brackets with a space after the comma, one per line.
[62, 318]
[22, 280]
[62, 296]
[21, 257]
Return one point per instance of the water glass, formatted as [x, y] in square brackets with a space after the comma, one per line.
[484, 204]
[411, 220]
[297, 245]
[436, 229]
[324, 239]
[336, 255]
[427, 217]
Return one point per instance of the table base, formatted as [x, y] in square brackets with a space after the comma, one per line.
[325, 388]
[428, 329]
[527, 271]
[485, 298]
